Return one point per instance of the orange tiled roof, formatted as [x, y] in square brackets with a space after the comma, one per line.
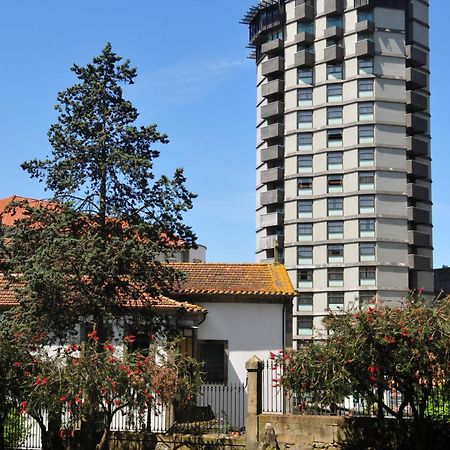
[9, 219]
[8, 299]
[245, 279]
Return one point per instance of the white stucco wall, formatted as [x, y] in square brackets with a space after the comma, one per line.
[250, 329]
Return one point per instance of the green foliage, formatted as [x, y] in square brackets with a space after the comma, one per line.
[16, 429]
[374, 350]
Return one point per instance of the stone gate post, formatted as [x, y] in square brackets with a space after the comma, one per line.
[254, 368]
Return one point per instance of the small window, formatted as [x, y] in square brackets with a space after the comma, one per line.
[366, 180]
[366, 157]
[305, 141]
[305, 209]
[335, 230]
[335, 21]
[305, 119]
[305, 231]
[365, 88]
[335, 138]
[305, 97]
[305, 278]
[335, 301]
[305, 302]
[367, 251]
[305, 186]
[335, 71]
[335, 183]
[334, 92]
[334, 160]
[367, 298]
[335, 277]
[366, 204]
[367, 228]
[305, 255]
[367, 276]
[304, 163]
[365, 66]
[365, 111]
[334, 115]
[335, 206]
[335, 253]
[366, 134]
[365, 15]
[304, 326]
[305, 76]
[213, 354]
[303, 27]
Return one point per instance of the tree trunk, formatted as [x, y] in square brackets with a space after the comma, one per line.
[103, 444]
[88, 434]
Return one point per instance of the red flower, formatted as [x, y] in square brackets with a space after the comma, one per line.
[23, 407]
[272, 355]
[16, 364]
[62, 433]
[93, 335]
[117, 402]
[108, 347]
[63, 398]
[129, 339]
[71, 348]
[77, 399]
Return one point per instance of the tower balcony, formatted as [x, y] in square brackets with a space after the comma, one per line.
[415, 79]
[304, 58]
[275, 196]
[271, 88]
[416, 124]
[417, 147]
[419, 193]
[274, 219]
[334, 53]
[415, 57]
[333, 33]
[365, 47]
[334, 7]
[276, 130]
[272, 110]
[418, 262]
[273, 47]
[272, 175]
[304, 38]
[415, 101]
[273, 66]
[304, 12]
[365, 26]
[418, 169]
[418, 215]
[272, 153]
[270, 242]
[419, 239]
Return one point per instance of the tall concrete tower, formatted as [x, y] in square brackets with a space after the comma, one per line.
[343, 150]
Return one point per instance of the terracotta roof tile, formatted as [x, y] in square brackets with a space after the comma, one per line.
[232, 279]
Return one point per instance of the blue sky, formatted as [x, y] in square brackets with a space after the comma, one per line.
[194, 81]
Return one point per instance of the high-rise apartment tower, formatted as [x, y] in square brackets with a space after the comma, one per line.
[343, 150]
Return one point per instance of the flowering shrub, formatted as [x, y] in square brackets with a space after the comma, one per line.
[373, 350]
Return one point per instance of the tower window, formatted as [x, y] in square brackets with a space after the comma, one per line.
[334, 92]
[334, 71]
[367, 228]
[366, 204]
[305, 208]
[305, 76]
[335, 230]
[366, 134]
[305, 231]
[366, 156]
[335, 206]
[335, 138]
[367, 276]
[305, 97]
[365, 111]
[305, 119]
[305, 163]
[305, 141]
[365, 88]
[367, 251]
[334, 160]
[335, 277]
[305, 302]
[365, 66]
[334, 115]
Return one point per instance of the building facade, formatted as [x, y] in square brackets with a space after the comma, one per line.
[343, 150]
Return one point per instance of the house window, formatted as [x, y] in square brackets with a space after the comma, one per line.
[335, 301]
[367, 298]
[303, 27]
[367, 276]
[213, 354]
[335, 253]
[335, 206]
[334, 92]
[305, 209]
[366, 157]
[335, 277]
[305, 76]
[367, 251]
[304, 164]
[304, 119]
[335, 138]
[304, 326]
[365, 66]
[334, 71]
[305, 186]
[305, 302]
[335, 229]
[365, 15]
[333, 21]
[366, 134]
[305, 231]
[335, 183]
[305, 278]
[304, 141]
[365, 88]
[365, 111]
[334, 160]
[305, 255]
[305, 97]
[366, 180]
[367, 228]
[334, 115]
[366, 204]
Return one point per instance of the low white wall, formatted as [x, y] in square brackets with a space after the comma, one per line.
[250, 329]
